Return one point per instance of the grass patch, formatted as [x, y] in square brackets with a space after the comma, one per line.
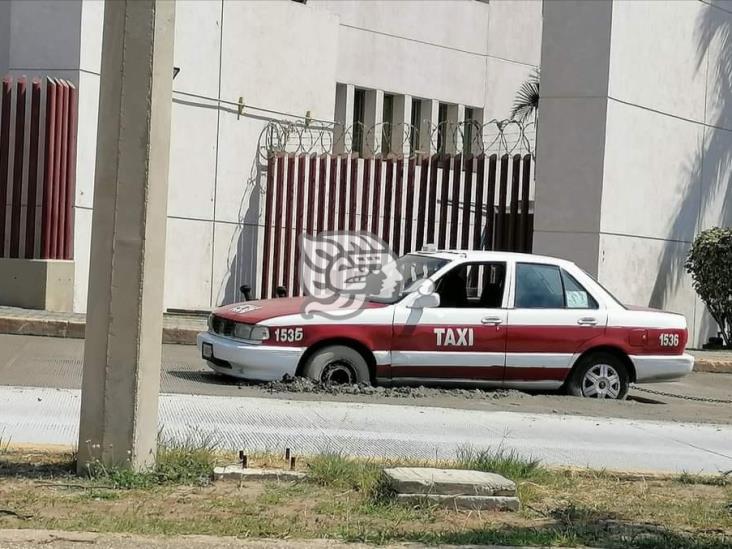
[342, 499]
[343, 473]
[508, 463]
[188, 462]
[722, 479]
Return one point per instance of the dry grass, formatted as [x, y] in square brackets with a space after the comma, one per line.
[341, 500]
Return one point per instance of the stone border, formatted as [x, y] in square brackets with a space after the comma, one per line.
[176, 329]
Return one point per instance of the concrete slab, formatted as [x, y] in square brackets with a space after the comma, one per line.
[474, 503]
[448, 482]
[237, 472]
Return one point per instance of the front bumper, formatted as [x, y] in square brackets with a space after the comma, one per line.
[652, 368]
[247, 361]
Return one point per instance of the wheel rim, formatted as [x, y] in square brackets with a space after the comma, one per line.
[338, 373]
[601, 381]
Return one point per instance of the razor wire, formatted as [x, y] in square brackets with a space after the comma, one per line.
[471, 138]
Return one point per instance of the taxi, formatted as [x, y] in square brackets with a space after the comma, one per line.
[478, 318]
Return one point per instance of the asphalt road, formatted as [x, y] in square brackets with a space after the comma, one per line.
[40, 397]
[30, 361]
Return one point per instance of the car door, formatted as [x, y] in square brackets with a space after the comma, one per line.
[463, 339]
[552, 318]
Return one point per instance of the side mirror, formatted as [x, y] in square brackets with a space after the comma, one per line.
[426, 301]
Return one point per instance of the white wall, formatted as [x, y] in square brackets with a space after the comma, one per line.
[277, 55]
[62, 38]
[635, 143]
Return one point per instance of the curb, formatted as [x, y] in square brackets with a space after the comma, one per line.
[75, 329]
[713, 366]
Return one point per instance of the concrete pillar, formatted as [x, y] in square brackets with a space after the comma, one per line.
[343, 136]
[472, 132]
[428, 126]
[373, 119]
[575, 60]
[402, 121]
[455, 120]
[119, 405]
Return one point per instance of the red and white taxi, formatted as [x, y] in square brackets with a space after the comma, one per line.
[486, 318]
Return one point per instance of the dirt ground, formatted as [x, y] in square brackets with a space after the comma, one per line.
[559, 508]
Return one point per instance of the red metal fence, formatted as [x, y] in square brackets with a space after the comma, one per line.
[456, 202]
[37, 168]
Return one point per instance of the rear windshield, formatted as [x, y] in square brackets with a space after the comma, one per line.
[608, 292]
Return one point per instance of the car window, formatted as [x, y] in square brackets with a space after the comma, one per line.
[473, 285]
[396, 279]
[539, 286]
[575, 296]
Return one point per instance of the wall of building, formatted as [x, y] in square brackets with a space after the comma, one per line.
[63, 39]
[277, 55]
[635, 143]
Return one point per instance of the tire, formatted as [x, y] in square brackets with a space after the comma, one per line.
[338, 365]
[611, 378]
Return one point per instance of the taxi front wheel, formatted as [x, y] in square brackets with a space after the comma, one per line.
[599, 375]
[337, 365]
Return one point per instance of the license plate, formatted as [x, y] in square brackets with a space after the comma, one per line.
[207, 351]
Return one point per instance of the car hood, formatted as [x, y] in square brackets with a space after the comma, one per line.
[253, 312]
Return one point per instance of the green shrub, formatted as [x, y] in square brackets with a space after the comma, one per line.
[710, 265]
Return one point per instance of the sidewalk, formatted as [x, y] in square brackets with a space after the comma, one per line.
[177, 328]
[27, 539]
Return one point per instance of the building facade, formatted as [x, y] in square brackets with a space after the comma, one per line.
[634, 135]
[245, 63]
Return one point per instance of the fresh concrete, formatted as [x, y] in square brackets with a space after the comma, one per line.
[50, 416]
[37, 284]
[448, 482]
[472, 503]
[239, 473]
[125, 301]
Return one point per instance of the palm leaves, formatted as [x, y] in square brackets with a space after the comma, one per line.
[526, 102]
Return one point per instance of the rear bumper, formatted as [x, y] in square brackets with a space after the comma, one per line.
[654, 368]
[247, 361]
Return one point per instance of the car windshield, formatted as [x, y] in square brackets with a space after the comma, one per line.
[400, 277]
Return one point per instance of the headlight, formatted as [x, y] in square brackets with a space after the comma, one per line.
[250, 332]
[260, 333]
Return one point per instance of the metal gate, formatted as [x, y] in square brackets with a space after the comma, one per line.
[37, 168]
[457, 201]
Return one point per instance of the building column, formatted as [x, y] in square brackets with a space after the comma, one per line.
[373, 120]
[428, 126]
[343, 130]
[121, 382]
[455, 121]
[402, 122]
[570, 148]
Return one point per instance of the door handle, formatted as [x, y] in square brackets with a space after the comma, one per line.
[587, 321]
[492, 320]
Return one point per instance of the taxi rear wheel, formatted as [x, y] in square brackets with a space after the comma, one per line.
[338, 365]
[599, 375]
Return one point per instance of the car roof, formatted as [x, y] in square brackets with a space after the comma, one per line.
[486, 255]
